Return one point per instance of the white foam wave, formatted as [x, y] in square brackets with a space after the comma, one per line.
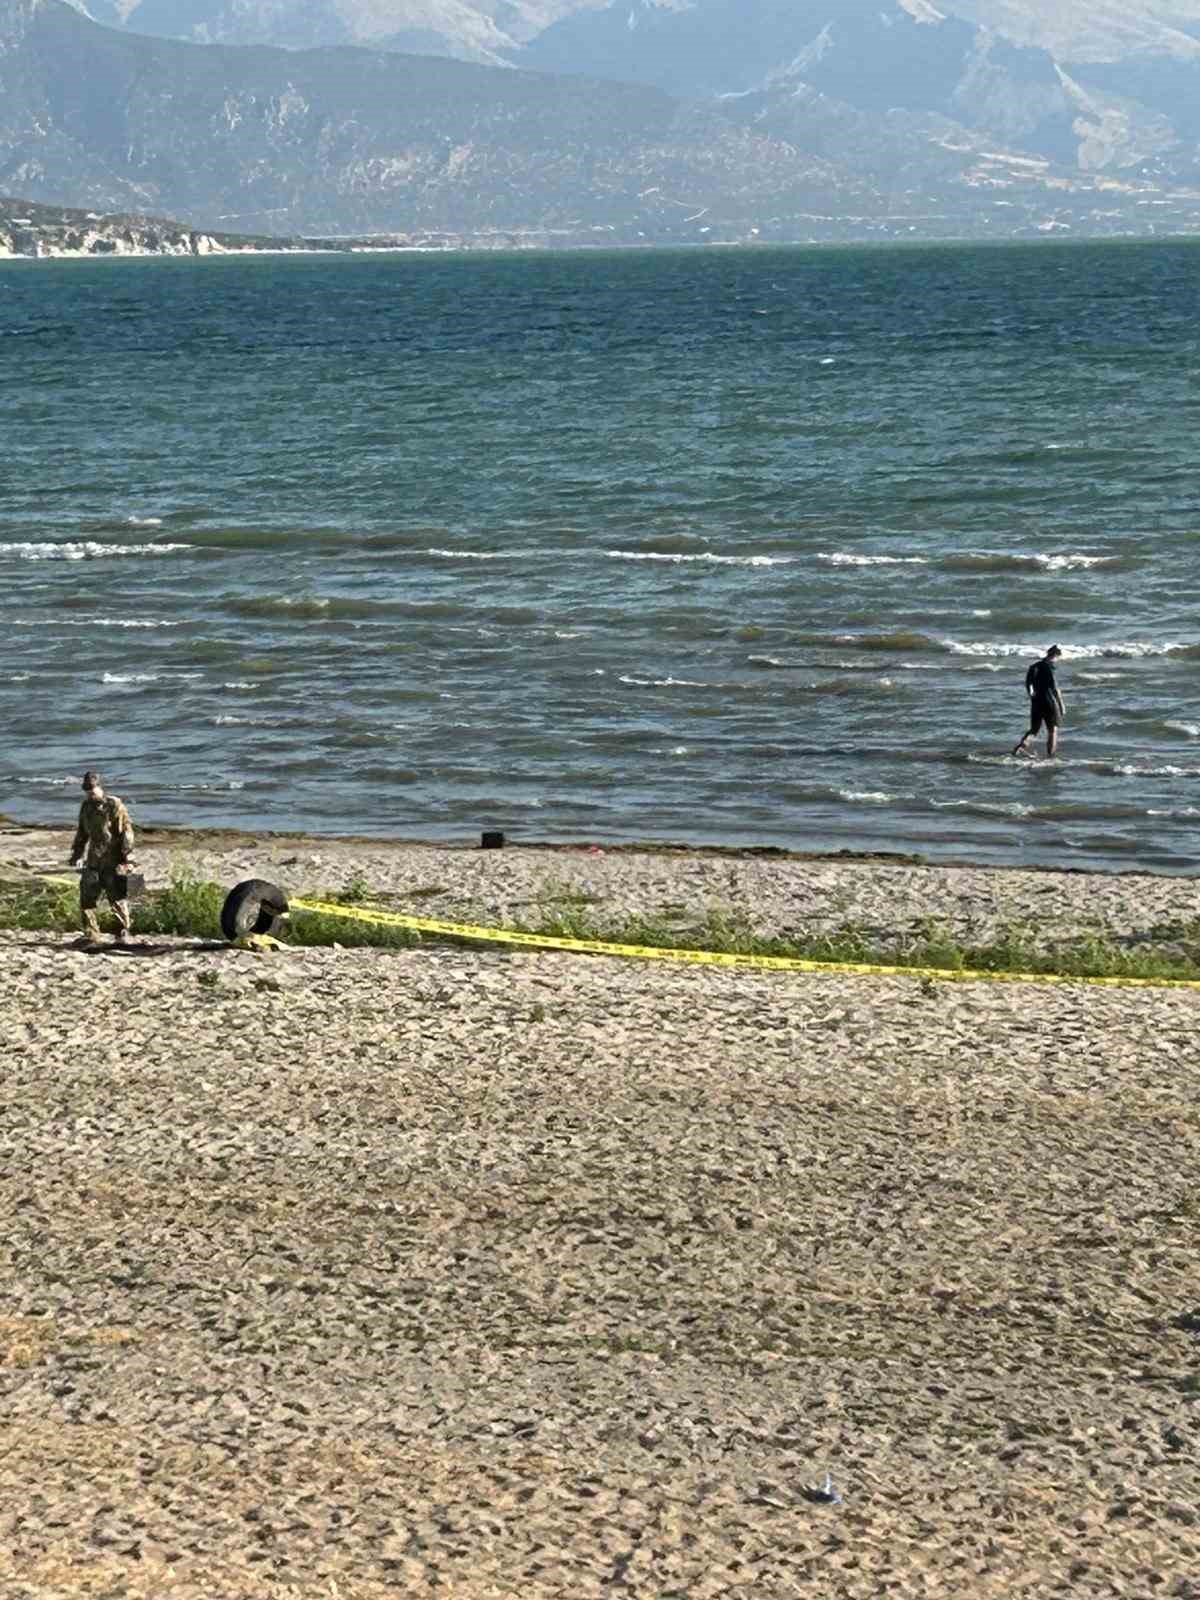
[1098, 677]
[473, 555]
[1126, 649]
[1183, 811]
[1022, 762]
[90, 622]
[958, 647]
[663, 683]
[125, 622]
[988, 561]
[207, 788]
[707, 555]
[1129, 770]
[845, 558]
[871, 797]
[1190, 730]
[82, 550]
[130, 677]
[143, 522]
[1070, 562]
[238, 683]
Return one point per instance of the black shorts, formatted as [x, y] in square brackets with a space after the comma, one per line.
[1043, 711]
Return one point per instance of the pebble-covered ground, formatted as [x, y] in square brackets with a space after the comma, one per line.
[354, 1274]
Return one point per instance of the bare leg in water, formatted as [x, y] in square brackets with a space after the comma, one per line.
[1019, 749]
[1036, 721]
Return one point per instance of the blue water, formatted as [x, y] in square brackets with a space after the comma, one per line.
[744, 546]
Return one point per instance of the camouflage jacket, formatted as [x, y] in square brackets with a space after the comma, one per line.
[105, 831]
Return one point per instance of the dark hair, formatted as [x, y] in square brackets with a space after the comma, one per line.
[90, 780]
[1054, 651]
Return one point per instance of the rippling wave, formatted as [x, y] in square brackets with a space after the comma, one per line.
[80, 550]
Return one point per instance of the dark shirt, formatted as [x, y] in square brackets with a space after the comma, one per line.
[1040, 684]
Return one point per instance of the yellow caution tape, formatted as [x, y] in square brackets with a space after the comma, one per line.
[711, 958]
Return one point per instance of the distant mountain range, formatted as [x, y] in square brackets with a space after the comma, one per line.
[913, 55]
[497, 30]
[491, 32]
[734, 119]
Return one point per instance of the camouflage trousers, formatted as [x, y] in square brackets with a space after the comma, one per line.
[94, 882]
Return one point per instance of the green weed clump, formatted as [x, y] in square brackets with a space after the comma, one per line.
[320, 929]
[189, 907]
[33, 907]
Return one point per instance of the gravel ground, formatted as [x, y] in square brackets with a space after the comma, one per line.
[343, 1273]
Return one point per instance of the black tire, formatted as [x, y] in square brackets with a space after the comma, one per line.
[252, 907]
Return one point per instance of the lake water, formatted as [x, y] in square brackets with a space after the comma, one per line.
[742, 546]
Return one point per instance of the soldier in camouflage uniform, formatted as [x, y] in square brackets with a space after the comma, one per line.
[106, 833]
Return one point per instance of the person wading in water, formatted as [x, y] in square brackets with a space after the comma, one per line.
[106, 833]
[1046, 704]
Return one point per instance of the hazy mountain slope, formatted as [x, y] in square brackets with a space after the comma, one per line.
[345, 140]
[883, 55]
[1074, 31]
[351, 140]
[476, 30]
[1078, 31]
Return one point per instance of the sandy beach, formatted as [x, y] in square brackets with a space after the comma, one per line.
[351, 1273]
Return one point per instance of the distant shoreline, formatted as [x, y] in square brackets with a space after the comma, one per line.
[932, 242]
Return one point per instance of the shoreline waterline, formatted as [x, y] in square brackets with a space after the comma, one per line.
[192, 836]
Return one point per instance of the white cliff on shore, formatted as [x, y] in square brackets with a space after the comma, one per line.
[30, 238]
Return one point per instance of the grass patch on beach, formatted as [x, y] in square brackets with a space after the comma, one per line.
[314, 929]
[31, 907]
[1018, 948]
[190, 907]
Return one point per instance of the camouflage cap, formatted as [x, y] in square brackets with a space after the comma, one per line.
[91, 780]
